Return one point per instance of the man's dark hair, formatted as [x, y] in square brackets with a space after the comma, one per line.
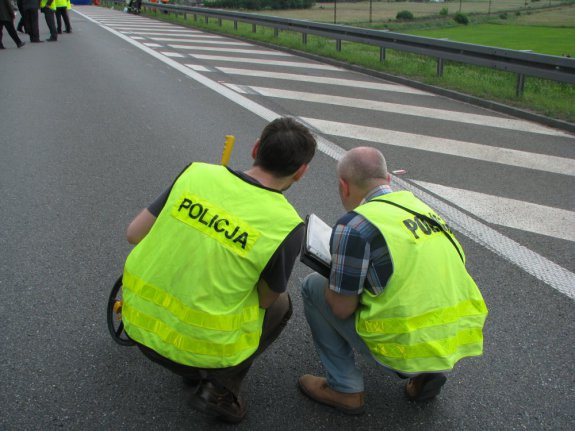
[285, 145]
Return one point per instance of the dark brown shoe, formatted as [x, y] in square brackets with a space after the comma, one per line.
[318, 390]
[218, 402]
[425, 386]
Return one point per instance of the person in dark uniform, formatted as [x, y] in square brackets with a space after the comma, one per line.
[7, 20]
[20, 26]
[30, 8]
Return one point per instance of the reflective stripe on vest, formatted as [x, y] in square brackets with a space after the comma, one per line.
[430, 314]
[190, 285]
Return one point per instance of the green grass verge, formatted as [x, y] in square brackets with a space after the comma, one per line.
[544, 40]
[549, 98]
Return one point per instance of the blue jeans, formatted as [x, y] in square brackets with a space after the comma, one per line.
[335, 339]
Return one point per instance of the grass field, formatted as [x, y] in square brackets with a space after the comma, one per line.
[383, 11]
[544, 40]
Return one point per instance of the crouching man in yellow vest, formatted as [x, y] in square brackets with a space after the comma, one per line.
[205, 287]
[398, 292]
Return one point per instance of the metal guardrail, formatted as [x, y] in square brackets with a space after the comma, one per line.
[555, 68]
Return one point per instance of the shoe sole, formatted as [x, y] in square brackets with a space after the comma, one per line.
[347, 411]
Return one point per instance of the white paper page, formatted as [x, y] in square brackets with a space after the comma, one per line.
[318, 234]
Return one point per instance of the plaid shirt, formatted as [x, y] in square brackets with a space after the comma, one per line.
[360, 257]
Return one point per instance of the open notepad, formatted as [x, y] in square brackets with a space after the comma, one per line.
[315, 247]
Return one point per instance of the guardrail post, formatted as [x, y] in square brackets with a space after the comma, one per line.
[304, 38]
[206, 19]
[220, 22]
[195, 17]
[520, 85]
[235, 24]
[440, 67]
[338, 45]
[382, 54]
[276, 32]
[253, 28]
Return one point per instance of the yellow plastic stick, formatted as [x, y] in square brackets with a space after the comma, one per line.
[228, 147]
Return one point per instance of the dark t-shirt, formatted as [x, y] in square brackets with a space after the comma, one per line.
[278, 269]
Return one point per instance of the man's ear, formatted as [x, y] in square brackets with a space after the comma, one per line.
[343, 187]
[255, 149]
[300, 172]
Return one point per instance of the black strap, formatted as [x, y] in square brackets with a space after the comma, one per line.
[427, 219]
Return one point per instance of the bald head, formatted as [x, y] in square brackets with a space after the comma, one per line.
[363, 167]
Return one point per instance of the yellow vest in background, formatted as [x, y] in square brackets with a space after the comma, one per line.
[431, 313]
[43, 4]
[190, 285]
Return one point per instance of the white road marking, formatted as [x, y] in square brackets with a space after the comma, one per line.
[152, 45]
[199, 68]
[518, 214]
[230, 50]
[223, 42]
[191, 38]
[266, 62]
[172, 54]
[438, 114]
[505, 156]
[323, 80]
[543, 269]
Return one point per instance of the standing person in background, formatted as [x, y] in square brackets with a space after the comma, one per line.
[7, 15]
[21, 22]
[30, 8]
[398, 292]
[62, 7]
[48, 8]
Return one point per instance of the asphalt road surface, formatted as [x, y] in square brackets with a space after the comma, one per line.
[95, 126]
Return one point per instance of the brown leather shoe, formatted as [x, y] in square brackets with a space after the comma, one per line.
[318, 390]
[425, 386]
[218, 402]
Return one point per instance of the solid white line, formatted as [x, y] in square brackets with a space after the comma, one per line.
[505, 156]
[152, 45]
[323, 80]
[438, 114]
[266, 62]
[531, 262]
[231, 50]
[518, 214]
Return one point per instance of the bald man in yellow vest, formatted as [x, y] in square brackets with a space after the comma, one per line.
[398, 292]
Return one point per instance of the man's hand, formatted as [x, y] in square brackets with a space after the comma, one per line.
[342, 306]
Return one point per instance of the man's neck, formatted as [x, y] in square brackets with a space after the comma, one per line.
[268, 180]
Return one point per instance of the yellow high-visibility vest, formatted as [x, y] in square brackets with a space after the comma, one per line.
[431, 313]
[43, 4]
[190, 285]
